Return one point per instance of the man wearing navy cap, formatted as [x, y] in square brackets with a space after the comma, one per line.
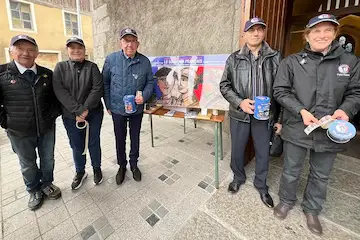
[249, 73]
[125, 73]
[28, 112]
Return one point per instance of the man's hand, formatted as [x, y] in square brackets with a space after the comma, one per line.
[247, 106]
[109, 111]
[139, 99]
[308, 118]
[84, 114]
[340, 115]
[278, 128]
[80, 119]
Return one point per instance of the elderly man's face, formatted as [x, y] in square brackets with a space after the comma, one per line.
[129, 44]
[24, 53]
[76, 52]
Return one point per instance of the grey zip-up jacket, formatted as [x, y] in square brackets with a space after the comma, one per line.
[236, 83]
[320, 84]
[78, 86]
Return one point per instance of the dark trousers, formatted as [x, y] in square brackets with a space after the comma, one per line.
[25, 148]
[120, 129]
[321, 164]
[260, 132]
[77, 140]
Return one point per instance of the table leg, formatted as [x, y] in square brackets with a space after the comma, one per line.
[151, 131]
[184, 125]
[194, 123]
[216, 155]
[221, 142]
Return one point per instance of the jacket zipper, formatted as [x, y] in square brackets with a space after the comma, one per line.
[261, 64]
[36, 107]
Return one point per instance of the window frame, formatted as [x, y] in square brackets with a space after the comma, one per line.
[77, 21]
[32, 14]
[8, 58]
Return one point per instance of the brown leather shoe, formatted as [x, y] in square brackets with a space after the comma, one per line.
[281, 210]
[313, 224]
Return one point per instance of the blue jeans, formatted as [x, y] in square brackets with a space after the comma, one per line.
[77, 140]
[24, 147]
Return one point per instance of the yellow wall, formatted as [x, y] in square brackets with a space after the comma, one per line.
[50, 30]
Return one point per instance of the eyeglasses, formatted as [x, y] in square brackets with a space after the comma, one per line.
[131, 42]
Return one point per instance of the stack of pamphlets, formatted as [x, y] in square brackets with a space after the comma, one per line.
[170, 113]
[191, 114]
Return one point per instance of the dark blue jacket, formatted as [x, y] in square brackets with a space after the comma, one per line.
[124, 76]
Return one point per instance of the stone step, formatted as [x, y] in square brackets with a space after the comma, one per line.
[243, 216]
[342, 206]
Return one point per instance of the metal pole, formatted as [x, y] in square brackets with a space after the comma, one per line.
[216, 155]
[79, 18]
[184, 125]
[151, 130]
[221, 142]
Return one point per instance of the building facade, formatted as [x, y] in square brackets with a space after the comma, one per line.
[50, 22]
[168, 28]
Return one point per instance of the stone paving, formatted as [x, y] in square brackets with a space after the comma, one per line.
[176, 198]
[177, 179]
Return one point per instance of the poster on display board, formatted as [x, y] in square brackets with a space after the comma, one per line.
[189, 81]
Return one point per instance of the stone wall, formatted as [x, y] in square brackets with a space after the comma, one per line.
[172, 27]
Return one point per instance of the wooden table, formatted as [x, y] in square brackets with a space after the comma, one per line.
[217, 120]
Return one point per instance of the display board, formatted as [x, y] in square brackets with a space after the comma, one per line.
[189, 81]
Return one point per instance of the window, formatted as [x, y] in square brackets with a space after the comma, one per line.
[21, 15]
[71, 24]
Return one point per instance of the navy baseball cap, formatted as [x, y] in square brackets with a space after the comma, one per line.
[24, 38]
[75, 40]
[128, 31]
[252, 22]
[322, 18]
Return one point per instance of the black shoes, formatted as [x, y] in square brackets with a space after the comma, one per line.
[52, 192]
[267, 200]
[98, 177]
[78, 180]
[120, 176]
[136, 174]
[234, 187]
[36, 200]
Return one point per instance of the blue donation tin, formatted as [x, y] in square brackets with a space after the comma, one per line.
[341, 131]
[262, 108]
[129, 103]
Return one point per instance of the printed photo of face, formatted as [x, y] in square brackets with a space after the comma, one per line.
[174, 85]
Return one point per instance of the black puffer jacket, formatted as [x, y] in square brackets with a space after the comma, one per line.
[27, 110]
[321, 84]
[235, 84]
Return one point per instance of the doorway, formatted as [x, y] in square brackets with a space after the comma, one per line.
[287, 19]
